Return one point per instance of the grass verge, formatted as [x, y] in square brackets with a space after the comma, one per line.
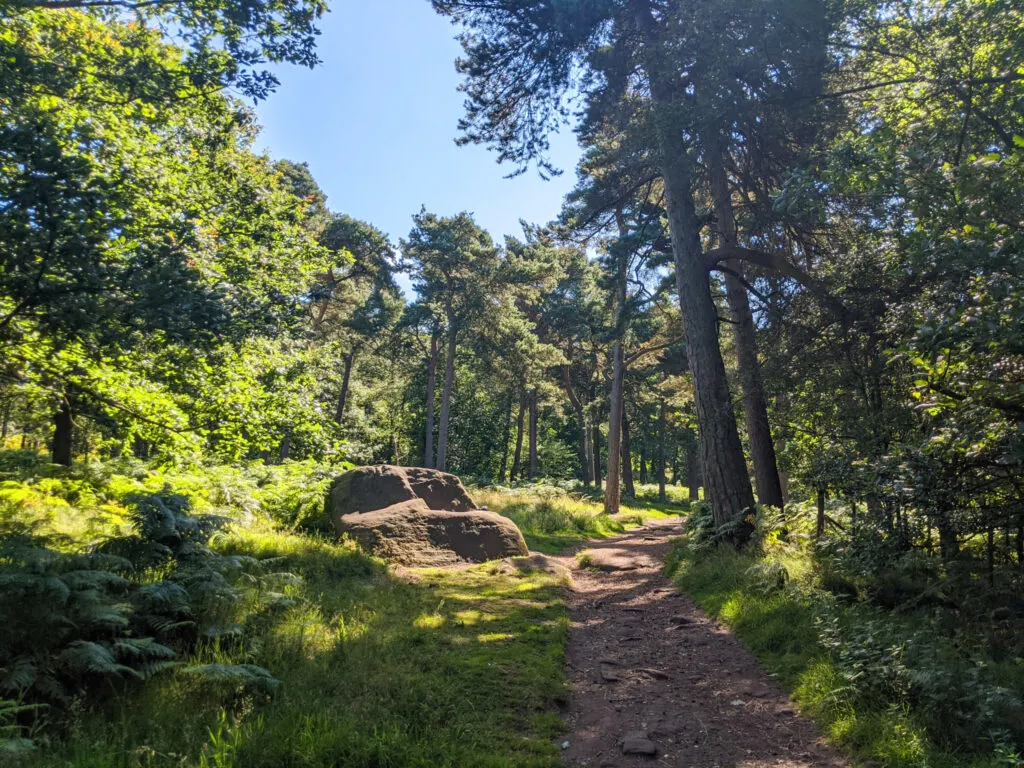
[552, 523]
[439, 668]
[879, 684]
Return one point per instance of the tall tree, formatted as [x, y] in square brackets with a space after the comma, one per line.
[454, 264]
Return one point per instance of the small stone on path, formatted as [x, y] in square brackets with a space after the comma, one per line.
[657, 674]
[637, 743]
[609, 675]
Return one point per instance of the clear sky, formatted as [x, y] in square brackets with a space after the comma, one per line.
[377, 121]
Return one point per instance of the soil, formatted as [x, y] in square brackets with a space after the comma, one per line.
[650, 670]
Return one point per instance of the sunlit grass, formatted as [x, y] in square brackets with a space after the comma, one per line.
[448, 668]
[553, 521]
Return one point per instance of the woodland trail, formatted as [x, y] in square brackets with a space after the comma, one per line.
[649, 670]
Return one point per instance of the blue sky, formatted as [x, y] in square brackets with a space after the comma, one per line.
[377, 121]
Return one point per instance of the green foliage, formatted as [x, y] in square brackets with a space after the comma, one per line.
[76, 624]
[916, 686]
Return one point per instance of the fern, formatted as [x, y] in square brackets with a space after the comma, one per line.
[70, 618]
[247, 677]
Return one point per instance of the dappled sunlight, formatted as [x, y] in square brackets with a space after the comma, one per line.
[495, 637]
[429, 621]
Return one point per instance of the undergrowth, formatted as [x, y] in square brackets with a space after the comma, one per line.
[897, 662]
[203, 620]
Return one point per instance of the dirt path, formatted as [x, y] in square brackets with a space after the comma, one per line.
[649, 670]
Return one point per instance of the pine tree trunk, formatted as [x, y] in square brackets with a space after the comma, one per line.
[446, 398]
[428, 444]
[755, 405]
[611, 487]
[506, 433]
[534, 467]
[693, 471]
[628, 488]
[595, 439]
[63, 434]
[726, 482]
[1020, 542]
[583, 447]
[339, 414]
[661, 452]
[517, 458]
[724, 469]
[6, 424]
[140, 448]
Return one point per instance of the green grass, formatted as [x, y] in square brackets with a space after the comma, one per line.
[782, 626]
[427, 668]
[552, 523]
[456, 668]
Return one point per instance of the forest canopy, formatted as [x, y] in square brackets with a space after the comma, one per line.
[832, 206]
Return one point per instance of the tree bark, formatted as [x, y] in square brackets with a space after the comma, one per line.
[661, 452]
[819, 528]
[595, 438]
[4, 427]
[726, 482]
[642, 462]
[628, 488]
[534, 467]
[724, 469]
[577, 406]
[516, 459]
[343, 397]
[755, 405]
[428, 444]
[693, 471]
[506, 433]
[63, 433]
[611, 487]
[286, 447]
[446, 396]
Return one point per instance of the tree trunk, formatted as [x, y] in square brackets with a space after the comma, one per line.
[693, 471]
[949, 544]
[595, 438]
[286, 447]
[516, 459]
[755, 406]
[6, 424]
[588, 447]
[819, 529]
[428, 445]
[990, 551]
[1020, 543]
[446, 397]
[628, 488]
[611, 487]
[506, 433]
[534, 468]
[140, 448]
[345, 377]
[661, 452]
[726, 482]
[63, 433]
[582, 443]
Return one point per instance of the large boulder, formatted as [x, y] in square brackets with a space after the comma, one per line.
[419, 517]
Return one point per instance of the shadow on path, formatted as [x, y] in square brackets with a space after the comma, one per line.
[649, 668]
